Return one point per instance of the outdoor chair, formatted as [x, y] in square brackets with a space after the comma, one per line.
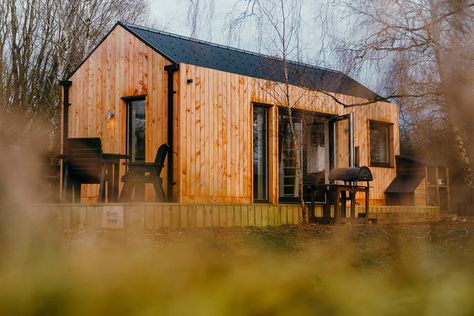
[140, 173]
[85, 163]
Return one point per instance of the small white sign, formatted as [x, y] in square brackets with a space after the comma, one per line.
[112, 217]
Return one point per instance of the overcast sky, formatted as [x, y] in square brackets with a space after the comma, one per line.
[171, 16]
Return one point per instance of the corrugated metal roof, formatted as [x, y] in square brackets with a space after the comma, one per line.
[179, 49]
[404, 184]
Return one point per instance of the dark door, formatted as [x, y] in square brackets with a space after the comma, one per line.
[136, 137]
[136, 130]
[341, 130]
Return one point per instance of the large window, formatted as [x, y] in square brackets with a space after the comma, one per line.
[380, 144]
[260, 153]
[311, 133]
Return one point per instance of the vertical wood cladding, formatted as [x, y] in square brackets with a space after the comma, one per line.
[216, 143]
[121, 66]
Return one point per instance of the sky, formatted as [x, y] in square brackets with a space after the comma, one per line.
[171, 16]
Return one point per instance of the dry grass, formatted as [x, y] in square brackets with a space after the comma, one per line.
[332, 270]
[305, 270]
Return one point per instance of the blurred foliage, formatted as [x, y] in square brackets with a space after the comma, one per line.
[418, 269]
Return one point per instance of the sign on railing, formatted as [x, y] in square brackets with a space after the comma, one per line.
[112, 217]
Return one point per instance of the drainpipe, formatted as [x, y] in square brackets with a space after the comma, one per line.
[65, 84]
[170, 69]
[351, 140]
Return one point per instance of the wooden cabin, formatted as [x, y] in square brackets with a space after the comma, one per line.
[222, 112]
[419, 183]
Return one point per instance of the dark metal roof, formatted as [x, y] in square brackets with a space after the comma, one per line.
[179, 49]
[425, 161]
[404, 184]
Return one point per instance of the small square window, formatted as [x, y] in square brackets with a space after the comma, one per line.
[380, 144]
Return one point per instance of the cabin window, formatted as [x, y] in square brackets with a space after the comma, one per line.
[380, 144]
[311, 133]
[260, 153]
[136, 129]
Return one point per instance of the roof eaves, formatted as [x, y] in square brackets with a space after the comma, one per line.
[367, 93]
[126, 26]
[275, 58]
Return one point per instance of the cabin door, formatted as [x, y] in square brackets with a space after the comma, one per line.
[136, 130]
[136, 136]
[341, 135]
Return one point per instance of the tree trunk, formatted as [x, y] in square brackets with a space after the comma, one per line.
[298, 165]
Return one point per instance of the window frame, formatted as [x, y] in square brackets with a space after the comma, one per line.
[128, 104]
[390, 147]
[265, 107]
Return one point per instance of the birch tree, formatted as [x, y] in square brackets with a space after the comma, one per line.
[200, 17]
[422, 52]
[277, 28]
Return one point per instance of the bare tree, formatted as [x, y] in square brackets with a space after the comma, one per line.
[43, 41]
[277, 27]
[200, 17]
[422, 53]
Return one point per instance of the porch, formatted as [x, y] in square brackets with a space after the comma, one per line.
[158, 216]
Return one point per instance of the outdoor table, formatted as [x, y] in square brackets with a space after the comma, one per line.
[113, 163]
[335, 194]
[338, 191]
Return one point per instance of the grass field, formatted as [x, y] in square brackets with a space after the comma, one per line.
[419, 269]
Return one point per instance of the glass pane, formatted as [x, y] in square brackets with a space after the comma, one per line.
[260, 153]
[315, 154]
[136, 128]
[311, 131]
[314, 146]
[379, 143]
[288, 177]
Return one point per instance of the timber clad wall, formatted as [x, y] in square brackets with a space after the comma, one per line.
[384, 112]
[215, 142]
[216, 133]
[121, 66]
[213, 119]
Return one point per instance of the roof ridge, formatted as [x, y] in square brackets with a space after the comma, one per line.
[128, 24]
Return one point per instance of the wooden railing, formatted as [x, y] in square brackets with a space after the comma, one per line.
[156, 216]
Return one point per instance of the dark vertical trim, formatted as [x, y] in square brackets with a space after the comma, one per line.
[351, 139]
[65, 84]
[170, 69]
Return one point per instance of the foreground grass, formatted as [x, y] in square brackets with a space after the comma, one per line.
[329, 270]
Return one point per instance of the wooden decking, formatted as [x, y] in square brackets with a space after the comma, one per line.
[156, 216]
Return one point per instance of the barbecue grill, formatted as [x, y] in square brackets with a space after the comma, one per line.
[351, 174]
